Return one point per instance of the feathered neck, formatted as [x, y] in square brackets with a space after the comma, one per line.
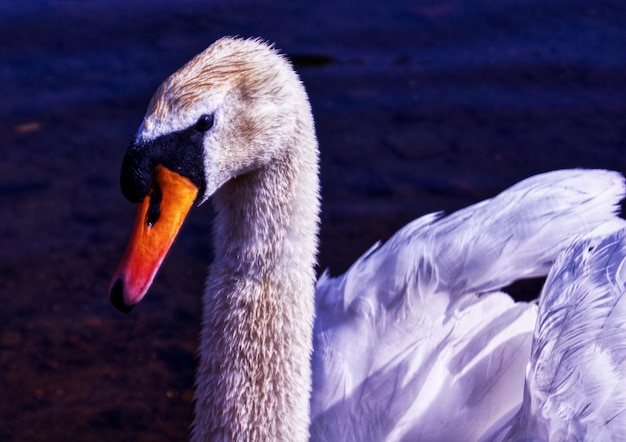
[254, 376]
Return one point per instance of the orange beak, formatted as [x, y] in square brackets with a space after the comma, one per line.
[159, 218]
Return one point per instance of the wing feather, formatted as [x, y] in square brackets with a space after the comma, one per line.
[415, 340]
[576, 384]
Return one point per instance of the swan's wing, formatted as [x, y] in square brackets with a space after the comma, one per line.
[404, 346]
[488, 245]
[576, 383]
[520, 232]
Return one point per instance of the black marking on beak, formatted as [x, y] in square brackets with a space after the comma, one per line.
[117, 297]
[180, 152]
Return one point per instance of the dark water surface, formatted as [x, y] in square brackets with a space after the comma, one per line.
[420, 106]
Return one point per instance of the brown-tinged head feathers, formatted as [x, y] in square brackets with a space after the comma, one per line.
[229, 63]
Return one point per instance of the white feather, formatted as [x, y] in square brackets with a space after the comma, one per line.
[576, 383]
[415, 342]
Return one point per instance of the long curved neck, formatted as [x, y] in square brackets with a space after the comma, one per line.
[254, 376]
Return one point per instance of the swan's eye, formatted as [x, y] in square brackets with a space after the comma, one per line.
[204, 123]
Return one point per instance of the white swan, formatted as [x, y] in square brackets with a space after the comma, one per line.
[414, 342]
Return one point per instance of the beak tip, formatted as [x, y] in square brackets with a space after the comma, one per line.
[117, 297]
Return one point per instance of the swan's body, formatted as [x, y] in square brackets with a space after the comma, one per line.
[414, 342]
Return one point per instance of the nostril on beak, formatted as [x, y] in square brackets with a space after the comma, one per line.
[117, 297]
[154, 208]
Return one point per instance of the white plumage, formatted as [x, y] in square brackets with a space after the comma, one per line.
[576, 382]
[416, 341]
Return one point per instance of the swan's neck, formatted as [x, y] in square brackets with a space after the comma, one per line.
[254, 377]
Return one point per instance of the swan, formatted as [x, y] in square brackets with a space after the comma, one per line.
[414, 342]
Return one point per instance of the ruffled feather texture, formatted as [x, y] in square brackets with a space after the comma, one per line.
[417, 342]
[576, 383]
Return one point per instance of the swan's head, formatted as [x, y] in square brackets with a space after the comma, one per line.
[230, 110]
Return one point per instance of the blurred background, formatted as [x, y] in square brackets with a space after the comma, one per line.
[420, 106]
